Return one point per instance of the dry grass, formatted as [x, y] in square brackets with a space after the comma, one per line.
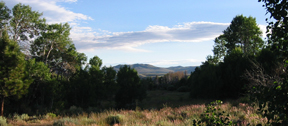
[181, 116]
[161, 112]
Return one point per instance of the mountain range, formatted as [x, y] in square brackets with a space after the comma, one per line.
[147, 70]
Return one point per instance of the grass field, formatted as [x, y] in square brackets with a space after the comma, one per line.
[160, 108]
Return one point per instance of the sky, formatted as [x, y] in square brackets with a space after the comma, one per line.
[162, 33]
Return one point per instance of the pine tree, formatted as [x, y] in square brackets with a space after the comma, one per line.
[13, 79]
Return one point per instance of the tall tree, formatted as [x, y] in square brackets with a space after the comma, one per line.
[243, 32]
[13, 79]
[25, 22]
[55, 48]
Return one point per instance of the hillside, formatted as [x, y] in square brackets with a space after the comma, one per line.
[147, 70]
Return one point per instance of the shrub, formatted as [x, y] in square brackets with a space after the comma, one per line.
[214, 116]
[50, 115]
[3, 121]
[24, 117]
[114, 119]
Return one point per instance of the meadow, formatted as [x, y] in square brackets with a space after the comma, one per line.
[160, 108]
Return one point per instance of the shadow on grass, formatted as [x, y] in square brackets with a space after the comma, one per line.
[157, 99]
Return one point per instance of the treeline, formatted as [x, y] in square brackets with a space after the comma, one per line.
[227, 74]
[41, 70]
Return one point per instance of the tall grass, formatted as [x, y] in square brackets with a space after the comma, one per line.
[241, 114]
[161, 108]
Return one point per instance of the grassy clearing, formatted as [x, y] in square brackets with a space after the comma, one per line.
[161, 108]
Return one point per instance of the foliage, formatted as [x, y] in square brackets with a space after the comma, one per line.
[130, 90]
[270, 88]
[213, 115]
[13, 79]
[114, 119]
[243, 32]
[4, 16]
[3, 121]
[50, 115]
[277, 25]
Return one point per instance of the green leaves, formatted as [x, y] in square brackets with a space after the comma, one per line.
[243, 32]
[214, 116]
[4, 15]
[25, 21]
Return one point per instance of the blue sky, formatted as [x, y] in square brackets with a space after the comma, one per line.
[158, 32]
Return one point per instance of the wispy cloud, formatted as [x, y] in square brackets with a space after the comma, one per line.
[86, 38]
[53, 12]
[186, 32]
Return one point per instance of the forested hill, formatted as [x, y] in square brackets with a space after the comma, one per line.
[147, 70]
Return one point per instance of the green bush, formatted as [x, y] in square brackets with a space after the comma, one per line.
[3, 121]
[114, 119]
[24, 117]
[213, 115]
[50, 115]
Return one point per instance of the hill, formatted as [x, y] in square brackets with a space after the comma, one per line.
[147, 70]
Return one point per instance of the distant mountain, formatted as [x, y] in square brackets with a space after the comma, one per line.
[147, 70]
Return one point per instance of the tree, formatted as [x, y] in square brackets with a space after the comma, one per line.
[55, 48]
[243, 32]
[25, 22]
[219, 48]
[4, 16]
[270, 90]
[130, 88]
[109, 82]
[13, 79]
[277, 27]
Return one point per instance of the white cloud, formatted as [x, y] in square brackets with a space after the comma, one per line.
[51, 11]
[263, 29]
[187, 32]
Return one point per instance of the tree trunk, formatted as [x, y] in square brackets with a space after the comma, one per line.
[2, 107]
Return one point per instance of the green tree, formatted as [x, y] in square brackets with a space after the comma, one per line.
[271, 91]
[4, 16]
[243, 32]
[109, 82]
[13, 79]
[25, 22]
[219, 49]
[277, 26]
[130, 88]
[95, 81]
[55, 48]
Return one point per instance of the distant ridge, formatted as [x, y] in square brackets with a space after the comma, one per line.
[147, 70]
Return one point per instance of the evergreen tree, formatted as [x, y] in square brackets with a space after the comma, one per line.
[13, 79]
[130, 88]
